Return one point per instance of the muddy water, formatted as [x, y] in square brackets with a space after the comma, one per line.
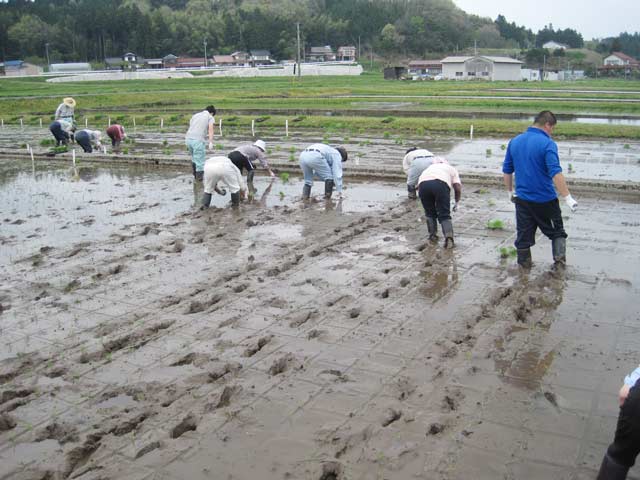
[586, 160]
[312, 341]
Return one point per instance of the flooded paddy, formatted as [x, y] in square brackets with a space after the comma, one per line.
[142, 338]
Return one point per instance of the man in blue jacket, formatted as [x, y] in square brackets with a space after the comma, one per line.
[533, 157]
[325, 162]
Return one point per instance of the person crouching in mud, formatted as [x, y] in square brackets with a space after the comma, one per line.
[415, 161]
[62, 131]
[220, 169]
[89, 139]
[116, 133]
[325, 162]
[434, 188]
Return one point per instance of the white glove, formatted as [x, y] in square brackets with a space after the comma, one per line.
[455, 207]
[570, 201]
[210, 145]
[512, 196]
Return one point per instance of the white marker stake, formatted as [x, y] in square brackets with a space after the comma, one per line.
[28, 148]
[86, 122]
[33, 161]
[286, 128]
[104, 149]
[109, 121]
[471, 133]
[2, 122]
[21, 123]
[220, 127]
[40, 123]
[253, 128]
[73, 157]
[134, 124]
[161, 123]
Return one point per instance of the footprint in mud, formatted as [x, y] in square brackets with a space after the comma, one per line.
[81, 454]
[196, 306]
[331, 471]
[354, 312]
[188, 424]
[390, 416]
[222, 370]
[195, 359]
[404, 282]
[435, 428]
[404, 388]
[9, 395]
[226, 396]
[259, 345]
[451, 401]
[301, 318]
[150, 447]
[315, 333]
[6, 423]
[284, 363]
[58, 431]
[384, 293]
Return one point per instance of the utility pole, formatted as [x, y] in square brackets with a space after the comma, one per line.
[46, 47]
[544, 66]
[358, 48]
[205, 53]
[298, 48]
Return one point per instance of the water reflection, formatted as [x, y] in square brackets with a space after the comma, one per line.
[439, 277]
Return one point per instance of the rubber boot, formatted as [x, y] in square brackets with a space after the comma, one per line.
[328, 189]
[193, 169]
[250, 175]
[432, 228]
[447, 231]
[206, 201]
[199, 176]
[306, 192]
[411, 192]
[559, 249]
[235, 199]
[524, 257]
[612, 470]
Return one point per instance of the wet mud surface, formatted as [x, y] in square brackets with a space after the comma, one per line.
[142, 338]
[606, 160]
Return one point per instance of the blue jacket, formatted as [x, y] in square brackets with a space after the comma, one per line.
[533, 156]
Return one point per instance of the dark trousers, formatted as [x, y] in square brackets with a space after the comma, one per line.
[240, 161]
[435, 196]
[114, 140]
[82, 139]
[530, 216]
[59, 134]
[626, 444]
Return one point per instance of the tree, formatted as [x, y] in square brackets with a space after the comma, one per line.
[30, 33]
[389, 38]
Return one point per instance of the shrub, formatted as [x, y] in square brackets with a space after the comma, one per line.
[495, 224]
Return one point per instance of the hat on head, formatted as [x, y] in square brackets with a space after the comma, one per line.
[261, 145]
[343, 153]
[69, 101]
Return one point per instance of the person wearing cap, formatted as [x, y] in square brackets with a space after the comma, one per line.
[622, 453]
[434, 188]
[533, 157]
[221, 170]
[416, 161]
[66, 110]
[116, 134]
[245, 156]
[325, 162]
[62, 130]
[200, 125]
[89, 139]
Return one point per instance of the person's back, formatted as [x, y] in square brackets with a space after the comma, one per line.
[440, 171]
[535, 161]
[199, 126]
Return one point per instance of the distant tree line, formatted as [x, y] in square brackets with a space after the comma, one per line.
[91, 30]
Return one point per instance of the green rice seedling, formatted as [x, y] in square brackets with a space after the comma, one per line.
[495, 224]
[488, 152]
[166, 151]
[570, 169]
[491, 203]
[262, 119]
[165, 142]
[482, 191]
[503, 147]
[506, 252]
[626, 146]
[45, 142]
[292, 158]
[292, 149]
[386, 135]
[281, 193]
[388, 120]
[284, 176]
[299, 119]
[219, 146]
[125, 151]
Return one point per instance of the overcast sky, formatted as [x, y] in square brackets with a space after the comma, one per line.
[591, 18]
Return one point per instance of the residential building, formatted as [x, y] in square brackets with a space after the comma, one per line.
[425, 68]
[18, 68]
[152, 63]
[260, 57]
[552, 45]
[169, 61]
[321, 54]
[481, 67]
[224, 61]
[620, 59]
[242, 58]
[347, 53]
[189, 62]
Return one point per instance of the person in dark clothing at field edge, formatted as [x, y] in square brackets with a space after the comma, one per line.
[533, 157]
[622, 453]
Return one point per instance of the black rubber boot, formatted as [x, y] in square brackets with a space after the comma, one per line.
[411, 192]
[612, 470]
[432, 228]
[250, 175]
[206, 201]
[559, 249]
[235, 199]
[199, 176]
[447, 231]
[524, 257]
[328, 189]
[193, 169]
[306, 192]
